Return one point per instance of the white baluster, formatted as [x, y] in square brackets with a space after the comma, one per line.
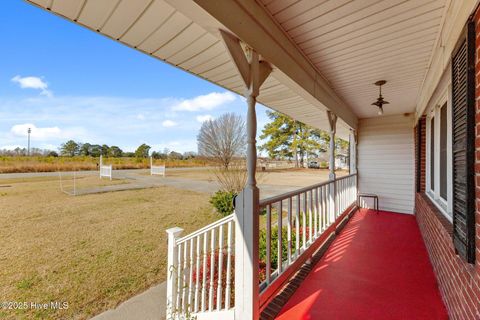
[340, 189]
[179, 278]
[304, 222]
[197, 276]
[322, 209]
[229, 265]
[212, 271]
[190, 280]
[268, 245]
[204, 280]
[220, 268]
[279, 238]
[289, 231]
[297, 228]
[315, 213]
[310, 216]
[185, 277]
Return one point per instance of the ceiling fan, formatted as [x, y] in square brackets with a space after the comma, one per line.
[380, 102]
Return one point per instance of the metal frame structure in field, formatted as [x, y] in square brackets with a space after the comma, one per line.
[156, 170]
[105, 170]
[63, 188]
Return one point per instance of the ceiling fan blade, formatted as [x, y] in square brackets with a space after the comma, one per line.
[386, 102]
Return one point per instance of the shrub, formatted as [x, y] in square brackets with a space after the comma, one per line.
[274, 245]
[222, 201]
[232, 179]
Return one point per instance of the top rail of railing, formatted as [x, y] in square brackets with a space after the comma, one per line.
[293, 193]
[205, 229]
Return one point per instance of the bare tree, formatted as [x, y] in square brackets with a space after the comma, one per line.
[223, 138]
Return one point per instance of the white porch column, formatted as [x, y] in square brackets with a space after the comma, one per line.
[353, 152]
[254, 72]
[332, 121]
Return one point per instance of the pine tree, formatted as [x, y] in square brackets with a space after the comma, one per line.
[291, 139]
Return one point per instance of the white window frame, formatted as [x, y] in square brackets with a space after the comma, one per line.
[444, 205]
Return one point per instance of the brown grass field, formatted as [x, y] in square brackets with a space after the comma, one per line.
[91, 251]
[52, 164]
[300, 177]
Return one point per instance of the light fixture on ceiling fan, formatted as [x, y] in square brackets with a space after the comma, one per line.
[380, 102]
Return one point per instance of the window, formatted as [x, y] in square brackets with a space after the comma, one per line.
[432, 154]
[439, 166]
[443, 152]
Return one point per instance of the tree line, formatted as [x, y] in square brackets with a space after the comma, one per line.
[22, 152]
[72, 148]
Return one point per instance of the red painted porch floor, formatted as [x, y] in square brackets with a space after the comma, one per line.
[377, 268]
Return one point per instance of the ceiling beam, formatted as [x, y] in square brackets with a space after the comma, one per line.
[254, 26]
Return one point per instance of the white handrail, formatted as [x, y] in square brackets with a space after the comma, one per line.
[206, 228]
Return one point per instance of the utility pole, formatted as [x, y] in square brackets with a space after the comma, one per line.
[28, 149]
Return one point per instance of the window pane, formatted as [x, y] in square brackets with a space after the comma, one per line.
[443, 152]
[432, 154]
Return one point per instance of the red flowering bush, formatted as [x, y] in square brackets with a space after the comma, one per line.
[208, 276]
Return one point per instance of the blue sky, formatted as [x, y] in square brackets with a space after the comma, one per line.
[67, 82]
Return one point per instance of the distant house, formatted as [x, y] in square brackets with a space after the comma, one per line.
[341, 159]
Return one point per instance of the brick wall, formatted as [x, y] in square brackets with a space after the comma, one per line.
[459, 281]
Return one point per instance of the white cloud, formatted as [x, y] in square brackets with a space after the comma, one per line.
[169, 123]
[140, 116]
[204, 102]
[101, 119]
[49, 133]
[21, 130]
[33, 83]
[205, 117]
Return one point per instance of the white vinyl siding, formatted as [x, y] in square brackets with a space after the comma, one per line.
[386, 161]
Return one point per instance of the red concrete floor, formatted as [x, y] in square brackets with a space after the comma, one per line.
[377, 268]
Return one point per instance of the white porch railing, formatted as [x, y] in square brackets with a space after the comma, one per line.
[296, 220]
[200, 281]
[200, 272]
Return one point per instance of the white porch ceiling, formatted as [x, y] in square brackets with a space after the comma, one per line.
[354, 43]
[159, 29]
[351, 43]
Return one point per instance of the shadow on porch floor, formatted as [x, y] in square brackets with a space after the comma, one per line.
[377, 268]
